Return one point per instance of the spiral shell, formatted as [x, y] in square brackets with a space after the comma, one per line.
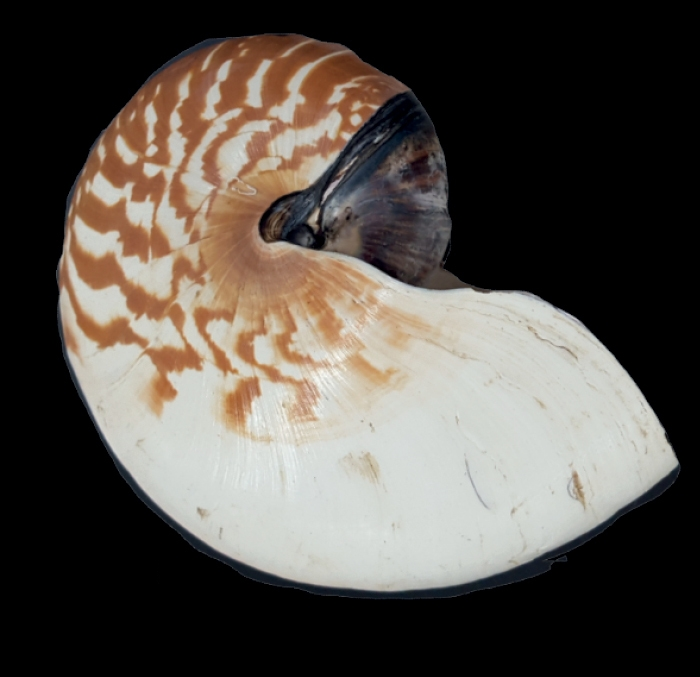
[301, 410]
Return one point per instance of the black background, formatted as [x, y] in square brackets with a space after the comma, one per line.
[557, 162]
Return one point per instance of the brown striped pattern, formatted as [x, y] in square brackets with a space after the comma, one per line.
[163, 261]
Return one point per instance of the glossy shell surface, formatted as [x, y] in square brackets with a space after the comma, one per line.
[300, 411]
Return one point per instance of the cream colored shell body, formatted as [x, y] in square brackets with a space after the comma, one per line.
[300, 411]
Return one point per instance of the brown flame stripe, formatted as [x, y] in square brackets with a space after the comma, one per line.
[162, 251]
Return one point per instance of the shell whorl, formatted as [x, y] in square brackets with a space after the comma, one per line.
[164, 271]
[302, 411]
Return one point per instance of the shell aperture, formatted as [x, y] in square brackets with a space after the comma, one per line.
[335, 425]
[384, 200]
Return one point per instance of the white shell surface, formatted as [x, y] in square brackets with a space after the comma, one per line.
[300, 411]
[507, 437]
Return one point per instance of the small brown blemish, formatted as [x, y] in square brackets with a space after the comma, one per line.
[514, 509]
[371, 427]
[541, 403]
[364, 465]
[204, 514]
[283, 479]
[575, 489]
[556, 345]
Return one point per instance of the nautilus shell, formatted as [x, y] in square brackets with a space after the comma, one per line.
[249, 303]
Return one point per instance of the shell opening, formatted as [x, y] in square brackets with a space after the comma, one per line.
[384, 200]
